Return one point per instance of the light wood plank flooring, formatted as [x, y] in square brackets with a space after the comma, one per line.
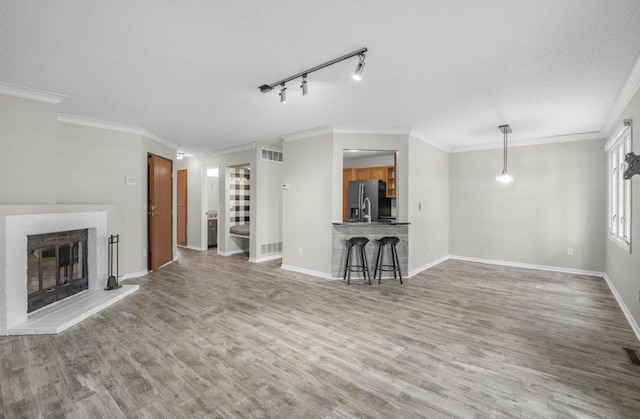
[210, 336]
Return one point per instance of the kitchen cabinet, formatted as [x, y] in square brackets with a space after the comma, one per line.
[366, 173]
[378, 173]
[347, 176]
[391, 181]
[212, 232]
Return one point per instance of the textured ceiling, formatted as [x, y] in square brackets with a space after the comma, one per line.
[455, 70]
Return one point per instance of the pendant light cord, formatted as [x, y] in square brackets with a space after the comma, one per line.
[505, 151]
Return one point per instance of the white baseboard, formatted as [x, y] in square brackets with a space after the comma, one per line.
[623, 306]
[233, 252]
[133, 275]
[307, 271]
[266, 258]
[528, 266]
[428, 265]
[192, 247]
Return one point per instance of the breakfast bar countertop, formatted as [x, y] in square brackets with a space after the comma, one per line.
[372, 223]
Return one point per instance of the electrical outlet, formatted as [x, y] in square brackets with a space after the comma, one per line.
[419, 206]
[569, 251]
[144, 252]
[299, 250]
[428, 248]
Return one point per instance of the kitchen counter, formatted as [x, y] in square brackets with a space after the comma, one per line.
[373, 230]
[372, 223]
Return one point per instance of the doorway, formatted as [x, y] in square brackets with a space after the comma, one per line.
[210, 207]
[160, 220]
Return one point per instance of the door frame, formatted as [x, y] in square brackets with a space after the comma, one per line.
[204, 245]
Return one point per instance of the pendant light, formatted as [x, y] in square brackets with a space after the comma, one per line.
[504, 177]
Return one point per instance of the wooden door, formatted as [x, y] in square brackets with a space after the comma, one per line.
[181, 208]
[347, 176]
[160, 211]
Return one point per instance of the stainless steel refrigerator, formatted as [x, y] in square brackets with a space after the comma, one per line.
[368, 197]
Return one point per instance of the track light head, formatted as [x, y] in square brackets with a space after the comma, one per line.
[283, 94]
[304, 86]
[357, 75]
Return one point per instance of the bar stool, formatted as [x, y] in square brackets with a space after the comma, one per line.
[359, 243]
[395, 265]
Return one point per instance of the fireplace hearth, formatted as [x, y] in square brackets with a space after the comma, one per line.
[56, 267]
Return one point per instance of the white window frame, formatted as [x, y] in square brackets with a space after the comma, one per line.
[619, 189]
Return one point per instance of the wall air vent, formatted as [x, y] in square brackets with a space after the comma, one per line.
[271, 248]
[271, 155]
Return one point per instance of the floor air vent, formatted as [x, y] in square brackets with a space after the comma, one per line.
[633, 356]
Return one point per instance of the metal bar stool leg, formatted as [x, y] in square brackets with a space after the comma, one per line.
[396, 263]
[365, 265]
[350, 262]
[380, 262]
[347, 262]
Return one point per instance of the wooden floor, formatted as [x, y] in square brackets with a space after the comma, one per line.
[210, 336]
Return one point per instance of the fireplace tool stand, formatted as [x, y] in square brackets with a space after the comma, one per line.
[112, 281]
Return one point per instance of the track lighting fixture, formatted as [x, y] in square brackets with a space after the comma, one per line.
[357, 75]
[303, 74]
[504, 177]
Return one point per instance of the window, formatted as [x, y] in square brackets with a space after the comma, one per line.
[619, 188]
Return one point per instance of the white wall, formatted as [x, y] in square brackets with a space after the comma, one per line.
[70, 166]
[92, 164]
[28, 144]
[268, 203]
[307, 204]
[557, 201]
[350, 161]
[428, 204]
[213, 194]
[624, 268]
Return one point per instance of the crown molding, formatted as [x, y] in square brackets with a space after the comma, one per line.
[355, 129]
[622, 128]
[112, 126]
[33, 94]
[223, 151]
[624, 96]
[313, 132]
[584, 136]
[419, 135]
[228, 150]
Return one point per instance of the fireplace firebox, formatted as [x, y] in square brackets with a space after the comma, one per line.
[56, 266]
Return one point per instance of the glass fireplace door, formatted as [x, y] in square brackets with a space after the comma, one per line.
[56, 267]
